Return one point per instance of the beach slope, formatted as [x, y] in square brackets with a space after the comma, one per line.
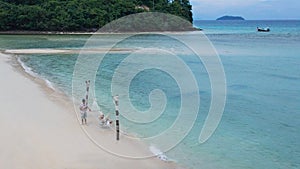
[39, 130]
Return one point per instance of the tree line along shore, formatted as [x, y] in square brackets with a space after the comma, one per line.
[78, 15]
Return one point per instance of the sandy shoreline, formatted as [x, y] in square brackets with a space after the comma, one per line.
[65, 51]
[99, 32]
[40, 129]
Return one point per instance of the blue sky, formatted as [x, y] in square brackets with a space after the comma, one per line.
[249, 9]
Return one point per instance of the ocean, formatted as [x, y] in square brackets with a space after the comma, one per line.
[261, 119]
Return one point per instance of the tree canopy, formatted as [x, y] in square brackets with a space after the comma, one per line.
[80, 15]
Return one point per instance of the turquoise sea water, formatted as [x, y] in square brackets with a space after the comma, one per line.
[261, 122]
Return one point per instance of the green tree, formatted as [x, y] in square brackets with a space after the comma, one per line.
[80, 15]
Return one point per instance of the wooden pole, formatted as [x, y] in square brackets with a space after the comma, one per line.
[116, 102]
[87, 91]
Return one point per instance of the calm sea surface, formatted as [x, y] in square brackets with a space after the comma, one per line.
[261, 122]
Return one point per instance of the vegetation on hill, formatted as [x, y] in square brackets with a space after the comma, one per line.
[79, 15]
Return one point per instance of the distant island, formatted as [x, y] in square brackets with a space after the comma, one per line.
[230, 18]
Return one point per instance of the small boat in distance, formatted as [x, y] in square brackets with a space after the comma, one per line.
[263, 29]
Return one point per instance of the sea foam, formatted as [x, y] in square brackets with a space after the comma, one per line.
[29, 71]
[158, 153]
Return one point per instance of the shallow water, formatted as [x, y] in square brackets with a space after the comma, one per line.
[260, 124]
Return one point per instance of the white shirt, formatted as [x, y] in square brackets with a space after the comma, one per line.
[83, 108]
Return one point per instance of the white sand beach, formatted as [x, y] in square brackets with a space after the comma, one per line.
[39, 130]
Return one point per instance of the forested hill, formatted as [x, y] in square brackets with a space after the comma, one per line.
[79, 15]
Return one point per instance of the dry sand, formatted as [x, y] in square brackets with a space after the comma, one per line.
[39, 130]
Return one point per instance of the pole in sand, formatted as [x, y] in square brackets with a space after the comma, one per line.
[87, 91]
[116, 102]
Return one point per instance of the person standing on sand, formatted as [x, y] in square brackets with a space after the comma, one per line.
[83, 111]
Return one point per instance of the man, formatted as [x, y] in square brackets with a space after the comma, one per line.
[83, 111]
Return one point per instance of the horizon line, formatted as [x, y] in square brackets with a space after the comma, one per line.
[249, 20]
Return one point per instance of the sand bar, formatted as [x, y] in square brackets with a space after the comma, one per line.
[65, 51]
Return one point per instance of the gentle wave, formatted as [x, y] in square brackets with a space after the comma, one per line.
[286, 77]
[26, 68]
[158, 153]
[49, 84]
[29, 71]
